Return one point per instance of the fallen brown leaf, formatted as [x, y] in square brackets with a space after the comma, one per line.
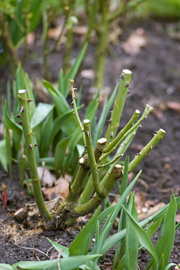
[135, 42]
[47, 179]
[107, 266]
[175, 106]
[178, 217]
[87, 74]
[61, 188]
[80, 30]
[30, 38]
[151, 211]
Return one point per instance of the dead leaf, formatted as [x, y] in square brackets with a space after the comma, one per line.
[30, 38]
[151, 211]
[149, 203]
[158, 113]
[61, 188]
[135, 42]
[178, 217]
[139, 200]
[80, 30]
[175, 106]
[47, 179]
[54, 32]
[87, 74]
[107, 266]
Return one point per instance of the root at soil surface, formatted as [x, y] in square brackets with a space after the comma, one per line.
[31, 218]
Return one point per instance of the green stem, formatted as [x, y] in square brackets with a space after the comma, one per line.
[75, 109]
[88, 190]
[77, 185]
[155, 140]
[114, 122]
[45, 44]
[123, 131]
[93, 203]
[101, 50]
[125, 9]
[30, 153]
[113, 146]
[91, 157]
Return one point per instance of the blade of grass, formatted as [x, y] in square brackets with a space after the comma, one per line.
[60, 248]
[3, 158]
[41, 112]
[78, 246]
[165, 244]
[45, 137]
[60, 155]
[144, 239]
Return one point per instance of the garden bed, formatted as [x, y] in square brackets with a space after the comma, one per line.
[155, 81]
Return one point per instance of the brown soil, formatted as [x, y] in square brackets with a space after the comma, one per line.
[156, 73]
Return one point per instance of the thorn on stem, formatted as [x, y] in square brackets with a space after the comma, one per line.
[30, 146]
[110, 120]
[127, 85]
[29, 100]
[22, 110]
[112, 134]
[17, 116]
[36, 144]
[87, 133]
[122, 76]
[20, 123]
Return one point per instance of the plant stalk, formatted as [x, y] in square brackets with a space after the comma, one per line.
[93, 203]
[139, 157]
[30, 153]
[101, 50]
[114, 121]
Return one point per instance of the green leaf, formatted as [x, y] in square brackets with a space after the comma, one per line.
[41, 112]
[143, 238]
[3, 158]
[10, 124]
[9, 151]
[170, 265]
[165, 244]
[61, 122]
[62, 107]
[58, 99]
[72, 262]
[60, 154]
[74, 69]
[20, 82]
[81, 243]
[153, 227]
[4, 266]
[40, 265]
[112, 240]
[60, 249]
[115, 212]
[45, 137]
[69, 263]
[61, 82]
[131, 240]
